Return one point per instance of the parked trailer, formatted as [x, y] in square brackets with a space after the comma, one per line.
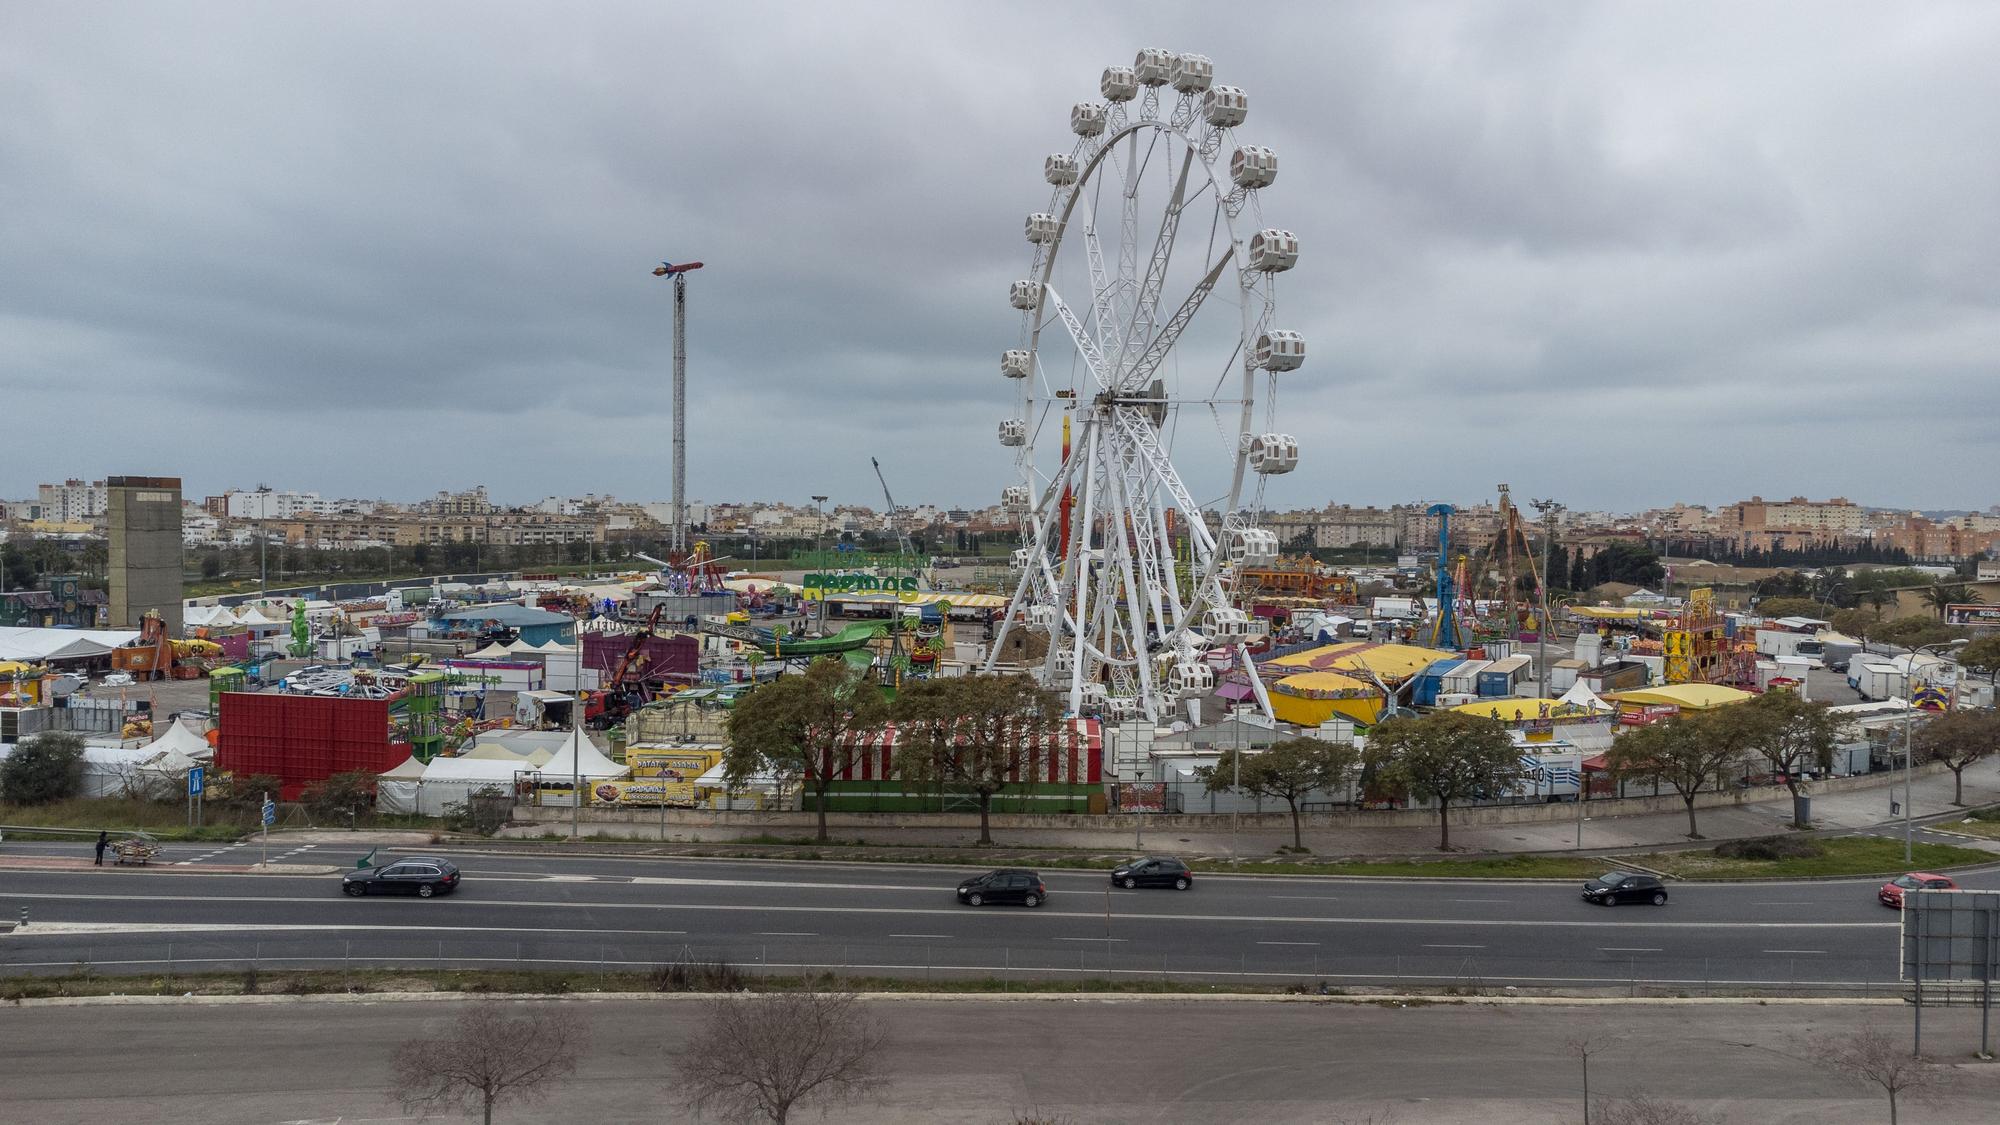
[1877, 681]
[1464, 679]
[1780, 642]
[1500, 679]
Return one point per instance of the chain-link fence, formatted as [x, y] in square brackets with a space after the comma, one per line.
[1089, 964]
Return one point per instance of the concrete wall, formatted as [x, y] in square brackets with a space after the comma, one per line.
[793, 822]
[144, 517]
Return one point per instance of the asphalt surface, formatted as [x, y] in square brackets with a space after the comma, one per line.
[969, 1061]
[613, 911]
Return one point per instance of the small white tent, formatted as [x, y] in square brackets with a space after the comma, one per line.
[490, 652]
[182, 740]
[1580, 695]
[580, 757]
[453, 781]
[396, 789]
[133, 771]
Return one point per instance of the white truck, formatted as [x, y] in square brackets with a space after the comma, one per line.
[1780, 643]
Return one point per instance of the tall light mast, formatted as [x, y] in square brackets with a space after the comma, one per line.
[679, 274]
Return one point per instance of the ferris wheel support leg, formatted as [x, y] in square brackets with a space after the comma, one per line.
[1081, 571]
[1042, 514]
[1256, 682]
[1135, 609]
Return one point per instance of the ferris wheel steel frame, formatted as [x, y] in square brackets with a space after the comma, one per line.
[1098, 573]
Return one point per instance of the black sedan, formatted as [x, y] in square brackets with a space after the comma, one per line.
[1153, 871]
[421, 876]
[1007, 885]
[1614, 887]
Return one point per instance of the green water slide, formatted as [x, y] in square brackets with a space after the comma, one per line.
[847, 640]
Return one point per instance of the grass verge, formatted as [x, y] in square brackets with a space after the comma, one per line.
[1842, 855]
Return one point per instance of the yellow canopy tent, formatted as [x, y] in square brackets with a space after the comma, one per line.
[1311, 698]
[1687, 697]
[1393, 663]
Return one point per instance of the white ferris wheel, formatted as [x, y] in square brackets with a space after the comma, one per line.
[1148, 330]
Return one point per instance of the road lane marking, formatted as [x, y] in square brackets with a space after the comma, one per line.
[1287, 943]
[1629, 949]
[1111, 939]
[1795, 951]
[786, 933]
[1454, 947]
[927, 937]
[960, 912]
[61, 929]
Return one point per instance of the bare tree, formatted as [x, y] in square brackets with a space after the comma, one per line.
[757, 1057]
[1583, 1048]
[486, 1057]
[1641, 1109]
[1871, 1056]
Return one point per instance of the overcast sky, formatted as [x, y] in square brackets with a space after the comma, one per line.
[1618, 254]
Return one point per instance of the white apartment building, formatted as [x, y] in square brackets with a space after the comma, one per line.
[268, 504]
[73, 501]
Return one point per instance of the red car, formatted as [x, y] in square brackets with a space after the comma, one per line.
[1892, 891]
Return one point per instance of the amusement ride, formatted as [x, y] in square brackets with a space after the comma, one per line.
[1149, 338]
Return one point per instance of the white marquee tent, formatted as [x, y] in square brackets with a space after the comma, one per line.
[32, 645]
[182, 740]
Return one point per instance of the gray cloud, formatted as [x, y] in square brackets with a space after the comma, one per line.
[1621, 255]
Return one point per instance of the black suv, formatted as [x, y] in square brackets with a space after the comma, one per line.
[1009, 884]
[1614, 887]
[417, 875]
[1153, 871]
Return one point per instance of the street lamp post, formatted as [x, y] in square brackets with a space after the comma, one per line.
[1909, 751]
[679, 274]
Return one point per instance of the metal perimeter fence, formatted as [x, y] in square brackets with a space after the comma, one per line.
[1084, 964]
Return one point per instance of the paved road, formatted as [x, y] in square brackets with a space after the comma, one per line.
[983, 1062]
[558, 911]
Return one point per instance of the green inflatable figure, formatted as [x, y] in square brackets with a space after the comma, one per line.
[301, 632]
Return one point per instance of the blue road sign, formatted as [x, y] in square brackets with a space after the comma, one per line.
[196, 779]
[270, 812]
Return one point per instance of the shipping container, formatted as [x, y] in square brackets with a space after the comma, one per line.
[1464, 679]
[1499, 679]
[1430, 682]
[1563, 674]
[303, 739]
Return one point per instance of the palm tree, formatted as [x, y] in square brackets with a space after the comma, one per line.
[1943, 593]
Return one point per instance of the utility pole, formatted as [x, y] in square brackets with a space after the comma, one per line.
[679, 274]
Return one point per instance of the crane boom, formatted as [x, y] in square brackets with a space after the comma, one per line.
[902, 537]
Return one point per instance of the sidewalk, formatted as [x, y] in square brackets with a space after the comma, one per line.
[1854, 811]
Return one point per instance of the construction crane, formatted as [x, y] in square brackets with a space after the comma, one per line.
[902, 537]
[1444, 630]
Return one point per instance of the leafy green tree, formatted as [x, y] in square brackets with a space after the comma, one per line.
[1916, 631]
[1288, 771]
[1855, 622]
[1446, 757]
[1983, 655]
[47, 767]
[1943, 593]
[979, 733]
[804, 728]
[1793, 734]
[1682, 752]
[344, 795]
[1958, 739]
